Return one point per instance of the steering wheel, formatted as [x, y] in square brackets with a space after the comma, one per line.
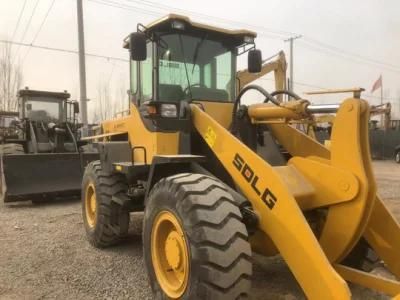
[187, 89]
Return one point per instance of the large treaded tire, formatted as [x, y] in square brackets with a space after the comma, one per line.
[362, 257]
[216, 238]
[7, 149]
[397, 157]
[112, 221]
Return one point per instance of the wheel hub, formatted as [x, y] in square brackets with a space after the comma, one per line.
[173, 250]
[91, 205]
[170, 254]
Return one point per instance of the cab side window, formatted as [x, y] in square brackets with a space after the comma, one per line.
[146, 74]
[134, 79]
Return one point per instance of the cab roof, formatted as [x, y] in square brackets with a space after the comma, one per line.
[36, 93]
[164, 24]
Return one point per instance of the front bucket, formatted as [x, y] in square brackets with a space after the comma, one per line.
[40, 176]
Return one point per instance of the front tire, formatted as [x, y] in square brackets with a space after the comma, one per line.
[195, 244]
[105, 221]
[397, 157]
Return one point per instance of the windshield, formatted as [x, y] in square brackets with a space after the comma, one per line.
[195, 68]
[5, 121]
[46, 111]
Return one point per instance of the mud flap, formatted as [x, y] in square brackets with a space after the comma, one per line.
[40, 176]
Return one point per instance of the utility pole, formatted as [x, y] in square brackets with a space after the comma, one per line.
[82, 69]
[290, 40]
[382, 125]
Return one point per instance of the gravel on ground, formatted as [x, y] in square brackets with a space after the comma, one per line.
[44, 255]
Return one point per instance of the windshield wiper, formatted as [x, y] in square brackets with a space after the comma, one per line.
[184, 63]
[196, 51]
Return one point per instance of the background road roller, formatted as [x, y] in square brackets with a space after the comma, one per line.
[43, 158]
[219, 180]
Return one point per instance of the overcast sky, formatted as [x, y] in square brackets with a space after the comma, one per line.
[344, 44]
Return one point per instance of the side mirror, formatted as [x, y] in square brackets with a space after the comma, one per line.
[254, 61]
[137, 46]
[76, 107]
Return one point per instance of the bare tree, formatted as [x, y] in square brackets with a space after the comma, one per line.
[10, 79]
[103, 104]
[121, 97]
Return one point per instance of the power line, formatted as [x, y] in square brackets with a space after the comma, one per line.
[43, 22]
[158, 14]
[19, 20]
[271, 33]
[40, 28]
[27, 26]
[63, 50]
[325, 88]
[280, 34]
[334, 48]
[354, 59]
[126, 7]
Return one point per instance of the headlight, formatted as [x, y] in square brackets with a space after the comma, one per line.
[248, 39]
[168, 111]
[178, 25]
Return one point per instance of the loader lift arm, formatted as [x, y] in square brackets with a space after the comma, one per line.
[278, 194]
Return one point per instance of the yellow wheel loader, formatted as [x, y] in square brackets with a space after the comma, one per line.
[219, 180]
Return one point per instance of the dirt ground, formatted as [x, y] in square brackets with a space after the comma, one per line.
[44, 255]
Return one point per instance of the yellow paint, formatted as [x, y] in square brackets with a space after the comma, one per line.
[339, 178]
[91, 205]
[383, 234]
[221, 112]
[331, 185]
[170, 254]
[210, 136]
[369, 280]
[156, 143]
[285, 224]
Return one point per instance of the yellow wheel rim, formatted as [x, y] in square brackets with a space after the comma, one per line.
[91, 205]
[169, 254]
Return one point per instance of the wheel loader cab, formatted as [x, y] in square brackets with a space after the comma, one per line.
[175, 61]
[49, 121]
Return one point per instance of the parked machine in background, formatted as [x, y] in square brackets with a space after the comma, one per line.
[44, 159]
[218, 180]
[8, 128]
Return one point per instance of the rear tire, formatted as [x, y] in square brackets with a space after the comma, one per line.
[8, 149]
[397, 157]
[105, 221]
[215, 239]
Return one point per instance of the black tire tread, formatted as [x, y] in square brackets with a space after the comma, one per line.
[218, 238]
[397, 157]
[107, 232]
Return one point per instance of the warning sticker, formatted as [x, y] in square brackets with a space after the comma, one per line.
[210, 136]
